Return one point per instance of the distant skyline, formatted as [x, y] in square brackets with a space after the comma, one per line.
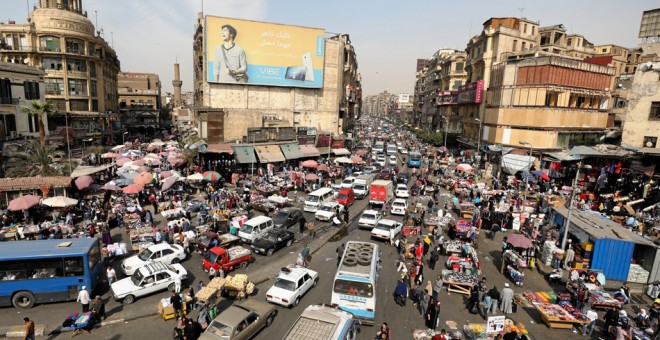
[388, 36]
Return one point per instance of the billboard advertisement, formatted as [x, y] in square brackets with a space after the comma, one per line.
[258, 53]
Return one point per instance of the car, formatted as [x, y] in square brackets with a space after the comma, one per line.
[161, 252]
[152, 278]
[291, 285]
[335, 189]
[392, 160]
[370, 169]
[386, 229]
[401, 191]
[381, 160]
[209, 239]
[404, 151]
[346, 197]
[386, 174]
[369, 219]
[240, 321]
[403, 177]
[287, 217]
[399, 207]
[348, 182]
[328, 210]
[194, 205]
[272, 241]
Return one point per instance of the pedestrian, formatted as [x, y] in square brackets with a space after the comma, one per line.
[83, 298]
[420, 273]
[177, 282]
[494, 294]
[190, 298]
[437, 286]
[177, 304]
[486, 303]
[592, 316]
[434, 258]
[346, 215]
[98, 308]
[401, 293]
[111, 274]
[306, 255]
[29, 329]
[424, 302]
[340, 252]
[301, 224]
[212, 273]
[384, 332]
[432, 318]
[506, 305]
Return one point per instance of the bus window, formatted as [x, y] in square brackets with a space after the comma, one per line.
[12, 270]
[94, 257]
[74, 266]
[46, 268]
[363, 289]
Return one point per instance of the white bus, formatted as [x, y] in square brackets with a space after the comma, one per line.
[354, 287]
[379, 147]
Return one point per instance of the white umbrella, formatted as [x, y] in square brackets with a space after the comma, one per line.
[343, 160]
[118, 147]
[59, 202]
[195, 177]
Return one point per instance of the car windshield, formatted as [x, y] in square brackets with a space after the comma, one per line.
[280, 217]
[285, 284]
[219, 329]
[360, 187]
[399, 204]
[313, 198]
[211, 257]
[368, 216]
[145, 255]
[342, 196]
[137, 277]
[247, 228]
[327, 208]
[348, 181]
[205, 240]
[363, 289]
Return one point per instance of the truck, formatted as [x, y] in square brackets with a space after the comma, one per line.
[206, 241]
[361, 185]
[225, 260]
[381, 192]
[326, 322]
[379, 147]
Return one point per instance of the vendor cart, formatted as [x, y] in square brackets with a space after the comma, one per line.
[458, 282]
[79, 323]
[166, 310]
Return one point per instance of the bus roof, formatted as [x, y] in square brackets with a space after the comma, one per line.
[46, 248]
[357, 269]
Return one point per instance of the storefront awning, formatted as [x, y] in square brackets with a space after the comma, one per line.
[561, 156]
[219, 148]
[291, 151]
[341, 152]
[244, 153]
[309, 151]
[88, 170]
[269, 153]
[650, 151]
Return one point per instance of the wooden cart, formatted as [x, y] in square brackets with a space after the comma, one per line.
[457, 287]
[557, 323]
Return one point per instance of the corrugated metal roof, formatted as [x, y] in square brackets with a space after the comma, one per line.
[310, 151]
[291, 151]
[244, 153]
[33, 183]
[269, 153]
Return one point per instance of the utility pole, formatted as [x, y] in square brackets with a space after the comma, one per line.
[567, 223]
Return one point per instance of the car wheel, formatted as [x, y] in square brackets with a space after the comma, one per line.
[244, 264]
[175, 260]
[296, 302]
[23, 300]
[268, 253]
[269, 321]
[288, 243]
[316, 281]
[171, 287]
[129, 299]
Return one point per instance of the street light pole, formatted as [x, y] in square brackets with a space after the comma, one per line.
[567, 223]
[531, 149]
[252, 158]
[446, 130]
[68, 143]
[86, 140]
[123, 141]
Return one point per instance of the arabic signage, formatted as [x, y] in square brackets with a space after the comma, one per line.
[352, 298]
[259, 53]
[471, 93]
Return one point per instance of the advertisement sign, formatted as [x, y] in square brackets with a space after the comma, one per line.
[259, 53]
[404, 98]
[495, 324]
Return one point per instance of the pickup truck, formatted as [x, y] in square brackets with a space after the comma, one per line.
[381, 192]
[225, 260]
[206, 241]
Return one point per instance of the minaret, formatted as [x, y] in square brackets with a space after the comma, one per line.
[177, 85]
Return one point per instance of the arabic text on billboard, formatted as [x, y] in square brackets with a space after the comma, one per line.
[259, 53]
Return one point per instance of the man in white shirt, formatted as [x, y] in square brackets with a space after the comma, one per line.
[111, 274]
[592, 316]
[177, 282]
[83, 298]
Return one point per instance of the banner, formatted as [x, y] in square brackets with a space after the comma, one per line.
[259, 53]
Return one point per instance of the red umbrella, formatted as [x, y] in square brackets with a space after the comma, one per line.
[24, 202]
[133, 189]
[165, 174]
[356, 160]
[519, 241]
[309, 164]
[83, 182]
[139, 162]
[311, 177]
[545, 177]
[122, 161]
[322, 167]
[143, 178]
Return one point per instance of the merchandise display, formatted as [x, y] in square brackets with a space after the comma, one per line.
[458, 282]
[477, 331]
[554, 316]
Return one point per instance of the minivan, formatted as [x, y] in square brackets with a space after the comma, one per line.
[255, 229]
[348, 182]
[318, 197]
[346, 197]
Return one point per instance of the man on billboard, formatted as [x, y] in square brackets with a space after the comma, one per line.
[230, 64]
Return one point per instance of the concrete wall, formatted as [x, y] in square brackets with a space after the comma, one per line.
[511, 136]
[545, 117]
[644, 91]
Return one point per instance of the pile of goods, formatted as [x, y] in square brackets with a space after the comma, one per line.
[555, 313]
[459, 278]
[475, 330]
[572, 310]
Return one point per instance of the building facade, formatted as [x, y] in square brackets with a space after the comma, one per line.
[19, 85]
[81, 67]
[139, 100]
[642, 120]
[382, 105]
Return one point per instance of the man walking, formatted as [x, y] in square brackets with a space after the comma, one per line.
[340, 252]
[177, 282]
[98, 308]
[111, 274]
[301, 224]
[29, 329]
[83, 298]
[177, 304]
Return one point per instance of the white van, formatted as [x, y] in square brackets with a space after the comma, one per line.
[318, 197]
[348, 182]
[255, 229]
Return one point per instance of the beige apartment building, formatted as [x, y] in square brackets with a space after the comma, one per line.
[19, 85]
[139, 100]
[642, 114]
[81, 67]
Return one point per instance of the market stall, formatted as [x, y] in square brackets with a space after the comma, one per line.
[457, 282]
[554, 316]
[494, 327]
[512, 265]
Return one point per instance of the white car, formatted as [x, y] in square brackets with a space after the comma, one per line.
[328, 210]
[162, 252]
[369, 219]
[348, 182]
[335, 189]
[404, 151]
[399, 207]
[381, 160]
[386, 229]
[291, 285]
[401, 191]
[392, 160]
[152, 278]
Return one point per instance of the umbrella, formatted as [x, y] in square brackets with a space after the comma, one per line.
[109, 155]
[195, 177]
[309, 164]
[59, 202]
[139, 162]
[361, 152]
[211, 176]
[120, 182]
[152, 155]
[519, 241]
[165, 174]
[123, 161]
[111, 187]
[311, 177]
[83, 182]
[343, 160]
[168, 183]
[132, 153]
[133, 189]
[129, 175]
[143, 178]
[545, 177]
[464, 167]
[118, 147]
[356, 160]
[151, 161]
[322, 167]
[24, 202]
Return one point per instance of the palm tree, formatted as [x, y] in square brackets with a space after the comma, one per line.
[40, 110]
[37, 160]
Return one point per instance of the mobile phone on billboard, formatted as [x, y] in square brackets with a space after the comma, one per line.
[307, 63]
[296, 73]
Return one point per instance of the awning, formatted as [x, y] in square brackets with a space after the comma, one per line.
[219, 148]
[244, 153]
[651, 151]
[512, 163]
[341, 152]
[269, 153]
[323, 150]
[561, 156]
[291, 151]
[88, 170]
[309, 151]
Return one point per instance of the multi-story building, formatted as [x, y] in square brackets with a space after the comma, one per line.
[81, 67]
[275, 96]
[19, 85]
[548, 102]
[453, 79]
[139, 100]
[383, 104]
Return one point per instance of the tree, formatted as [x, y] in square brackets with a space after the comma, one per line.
[37, 160]
[40, 110]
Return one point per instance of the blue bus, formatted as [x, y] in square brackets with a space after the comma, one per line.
[414, 159]
[45, 271]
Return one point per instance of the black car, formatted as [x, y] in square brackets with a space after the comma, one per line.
[287, 217]
[272, 241]
[403, 177]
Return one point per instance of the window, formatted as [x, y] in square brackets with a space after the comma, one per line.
[31, 90]
[162, 276]
[95, 105]
[5, 91]
[654, 114]
[92, 88]
[524, 46]
[44, 268]
[78, 87]
[167, 252]
[51, 63]
[250, 319]
[94, 257]
[515, 45]
[460, 67]
[12, 270]
[75, 46]
[650, 142]
[74, 266]
[92, 69]
[78, 65]
[525, 28]
[50, 43]
[54, 86]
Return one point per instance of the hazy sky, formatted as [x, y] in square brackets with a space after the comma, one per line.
[389, 36]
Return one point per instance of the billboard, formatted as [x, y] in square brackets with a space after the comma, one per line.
[650, 24]
[404, 98]
[259, 53]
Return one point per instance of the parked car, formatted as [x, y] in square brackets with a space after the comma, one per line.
[272, 241]
[386, 229]
[328, 210]
[240, 321]
[381, 160]
[346, 197]
[370, 169]
[401, 191]
[399, 207]
[162, 252]
[287, 217]
[369, 219]
[291, 285]
[403, 177]
[348, 182]
[210, 239]
[152, 278]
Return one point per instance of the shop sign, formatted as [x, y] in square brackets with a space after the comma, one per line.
[495, 324]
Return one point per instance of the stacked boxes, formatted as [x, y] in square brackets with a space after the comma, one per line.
[638, 274]
[548, 252]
